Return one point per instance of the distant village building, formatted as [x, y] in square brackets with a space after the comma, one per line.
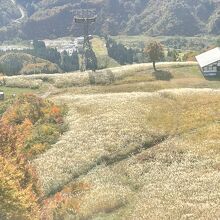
[12, 47]
[80, 40]
[67, 45]
[209, 62]
[69, 50]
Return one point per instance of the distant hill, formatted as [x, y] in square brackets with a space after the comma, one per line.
[54, 18]
[25, 64]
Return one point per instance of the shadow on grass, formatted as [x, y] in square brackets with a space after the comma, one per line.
[163, 75]
[212, 78]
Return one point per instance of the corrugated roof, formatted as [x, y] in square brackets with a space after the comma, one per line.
[209, 57]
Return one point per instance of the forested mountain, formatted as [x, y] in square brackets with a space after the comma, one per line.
[8, 12]
[52, 18]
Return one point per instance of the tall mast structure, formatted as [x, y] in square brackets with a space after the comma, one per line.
[85, 17]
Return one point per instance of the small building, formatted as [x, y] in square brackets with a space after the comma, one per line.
[80, 40]
[2, 96]
[209, 62]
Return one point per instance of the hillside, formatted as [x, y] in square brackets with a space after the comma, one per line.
[138, 145]
[25, 64]
[131, 78]
[8, 12]
[124, 157]
[153, 17]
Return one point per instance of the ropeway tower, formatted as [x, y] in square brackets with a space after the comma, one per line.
[85, 17]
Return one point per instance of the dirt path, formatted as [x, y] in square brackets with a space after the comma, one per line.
[47, 93]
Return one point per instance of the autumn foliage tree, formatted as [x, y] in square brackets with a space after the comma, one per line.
[24, 118]
[28, 127]
[155, 52]
[17, 199]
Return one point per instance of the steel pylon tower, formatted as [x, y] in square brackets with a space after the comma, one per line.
[85, 17]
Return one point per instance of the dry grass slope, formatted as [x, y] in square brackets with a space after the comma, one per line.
[137, 147]
[144, 155]
[133, 75]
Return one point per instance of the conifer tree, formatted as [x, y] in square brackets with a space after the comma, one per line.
[91, 60]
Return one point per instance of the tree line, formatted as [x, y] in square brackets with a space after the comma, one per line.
[66, 62]
[152, 52]
[149, 52]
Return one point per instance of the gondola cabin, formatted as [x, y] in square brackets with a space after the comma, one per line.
[209, 62]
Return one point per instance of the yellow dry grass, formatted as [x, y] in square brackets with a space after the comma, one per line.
[99, 46]
[137, 73]
[138, 147]
[144, 155]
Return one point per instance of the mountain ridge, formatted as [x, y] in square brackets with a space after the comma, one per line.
[54, 18]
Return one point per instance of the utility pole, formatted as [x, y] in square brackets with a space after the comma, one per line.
[85, 17]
